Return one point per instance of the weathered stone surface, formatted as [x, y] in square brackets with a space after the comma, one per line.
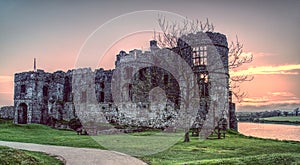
[7, 112]
[150, 95]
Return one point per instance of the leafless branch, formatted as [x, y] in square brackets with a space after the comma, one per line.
[172, 31]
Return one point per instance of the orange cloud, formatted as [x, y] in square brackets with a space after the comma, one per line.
[267, 70]
[272, 99]
[283, 94]
[6, 78]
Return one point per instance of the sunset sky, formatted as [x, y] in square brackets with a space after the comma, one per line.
[60, 33]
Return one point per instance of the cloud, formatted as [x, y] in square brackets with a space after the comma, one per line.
[262, 54]
[283, 106]
[271, 101]
[291, 69]
[282, 94]
[6, 78]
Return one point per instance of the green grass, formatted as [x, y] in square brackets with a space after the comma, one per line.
[13, 156]
[41, 134]
[138, 144]
[282, 119]
[234, 149]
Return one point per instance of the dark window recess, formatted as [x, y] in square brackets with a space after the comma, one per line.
[130, 91]
[101, 97]
[142, 75]
[166, 79]
[102, 85]
[67, 90]
[128, 72]
[45, 91]
[83, 97]
[23, 88]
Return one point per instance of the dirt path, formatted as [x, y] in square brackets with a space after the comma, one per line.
[79, 156]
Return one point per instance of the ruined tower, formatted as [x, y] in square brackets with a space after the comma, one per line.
[42, 97]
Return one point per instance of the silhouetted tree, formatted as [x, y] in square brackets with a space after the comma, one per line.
[172, 31]
[296, 111]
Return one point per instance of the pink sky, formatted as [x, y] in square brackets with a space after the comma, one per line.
[54, 33]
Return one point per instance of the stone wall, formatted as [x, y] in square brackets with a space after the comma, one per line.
[41, 97]
[7, 112]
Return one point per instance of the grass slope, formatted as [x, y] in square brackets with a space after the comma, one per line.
[41, 134]
[13, 156]
[234, 149]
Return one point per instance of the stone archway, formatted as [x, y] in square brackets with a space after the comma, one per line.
[22, 113]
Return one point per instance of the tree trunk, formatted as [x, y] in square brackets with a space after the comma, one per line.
[219, 133]
[187, 137]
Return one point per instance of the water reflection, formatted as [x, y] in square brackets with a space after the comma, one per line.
[271, 131]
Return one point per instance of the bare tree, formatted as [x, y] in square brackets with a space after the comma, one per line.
[236, 59]
[172, 31]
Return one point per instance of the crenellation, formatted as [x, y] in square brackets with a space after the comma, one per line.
[42, 97]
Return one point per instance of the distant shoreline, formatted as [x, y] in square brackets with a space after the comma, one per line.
[261, 121]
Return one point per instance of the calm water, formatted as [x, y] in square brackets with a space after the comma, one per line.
[271, 131]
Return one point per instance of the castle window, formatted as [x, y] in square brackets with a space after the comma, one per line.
[128, 72]
[142, 75]
[204, 77]
[101, 97]
[45, 91]
[204, 84]
[23, 89]
[200, 55]
[166, 79]
[83, 97]
[102, 85]
[130, 91]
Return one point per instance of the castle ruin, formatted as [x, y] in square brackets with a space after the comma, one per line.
[42, 97]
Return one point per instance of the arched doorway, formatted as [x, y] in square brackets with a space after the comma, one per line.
[22, 113]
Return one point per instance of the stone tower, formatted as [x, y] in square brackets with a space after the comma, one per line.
[42, 97]
[29, 95]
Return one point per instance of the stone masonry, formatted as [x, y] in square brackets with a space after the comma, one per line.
[7, 112]
[41, 97]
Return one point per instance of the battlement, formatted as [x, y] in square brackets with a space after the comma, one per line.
[40, 96]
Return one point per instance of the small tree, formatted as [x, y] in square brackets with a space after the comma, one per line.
[296, 111]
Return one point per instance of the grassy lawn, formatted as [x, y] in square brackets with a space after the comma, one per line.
[41, 134]
[13, 156]
[282, 119]
[138, 144]
[234, 149]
